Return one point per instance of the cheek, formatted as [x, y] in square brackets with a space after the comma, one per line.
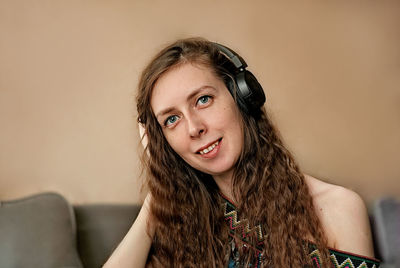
[232, 117]
[176, 141]
[236, 126]
[227, 114]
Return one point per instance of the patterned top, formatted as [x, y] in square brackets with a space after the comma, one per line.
[340, 259]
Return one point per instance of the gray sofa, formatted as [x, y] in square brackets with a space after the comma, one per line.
[44, 230]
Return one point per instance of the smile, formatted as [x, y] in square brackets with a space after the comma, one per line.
[210, 150]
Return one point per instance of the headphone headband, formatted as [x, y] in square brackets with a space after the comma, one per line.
[235, 58]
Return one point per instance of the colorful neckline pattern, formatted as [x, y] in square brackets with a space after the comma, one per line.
[340, 259]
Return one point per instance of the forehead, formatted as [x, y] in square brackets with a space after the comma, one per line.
[177, 83]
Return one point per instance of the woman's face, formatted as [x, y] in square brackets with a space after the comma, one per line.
[199, 118]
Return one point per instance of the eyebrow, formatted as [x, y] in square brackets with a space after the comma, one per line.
[189, 97]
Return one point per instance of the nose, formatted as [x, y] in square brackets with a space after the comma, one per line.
[196, 126]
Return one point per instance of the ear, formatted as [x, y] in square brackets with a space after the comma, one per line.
[143, 135]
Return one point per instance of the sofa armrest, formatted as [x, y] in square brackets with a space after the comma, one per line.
[385, 219]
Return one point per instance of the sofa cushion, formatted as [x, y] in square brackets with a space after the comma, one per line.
[386, 227]
[38, 231]
[100, 230]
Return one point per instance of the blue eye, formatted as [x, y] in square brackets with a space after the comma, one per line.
[203, 99]
[170, 120]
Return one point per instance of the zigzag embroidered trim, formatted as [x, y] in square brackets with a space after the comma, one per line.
[231, 216]
[242, 227]
[342, 260]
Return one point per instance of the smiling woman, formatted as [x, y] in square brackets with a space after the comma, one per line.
[224, 190]
[202, 123]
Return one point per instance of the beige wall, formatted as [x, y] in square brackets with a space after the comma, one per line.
[68, 71]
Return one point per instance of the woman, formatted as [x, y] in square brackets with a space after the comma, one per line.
[223, 189]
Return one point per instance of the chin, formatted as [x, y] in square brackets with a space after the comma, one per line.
[215, 168]
[220, 171]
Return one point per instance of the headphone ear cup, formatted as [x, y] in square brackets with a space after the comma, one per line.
[231, 84]
[249, 91]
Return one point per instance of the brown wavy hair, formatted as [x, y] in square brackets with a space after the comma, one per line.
[185, 209]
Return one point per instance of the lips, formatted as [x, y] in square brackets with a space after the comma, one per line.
[209, 147]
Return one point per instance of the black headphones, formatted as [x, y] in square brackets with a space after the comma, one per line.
[250, 94]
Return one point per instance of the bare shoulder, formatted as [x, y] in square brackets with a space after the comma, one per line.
[327, 194]
[343, 216]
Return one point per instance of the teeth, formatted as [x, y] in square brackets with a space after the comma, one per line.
[210, 148]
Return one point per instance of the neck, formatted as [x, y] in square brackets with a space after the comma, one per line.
[224, 183]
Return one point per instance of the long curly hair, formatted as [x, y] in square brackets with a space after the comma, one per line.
[185, 209]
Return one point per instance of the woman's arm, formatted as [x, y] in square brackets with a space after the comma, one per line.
[134, 248]
[350, 222]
